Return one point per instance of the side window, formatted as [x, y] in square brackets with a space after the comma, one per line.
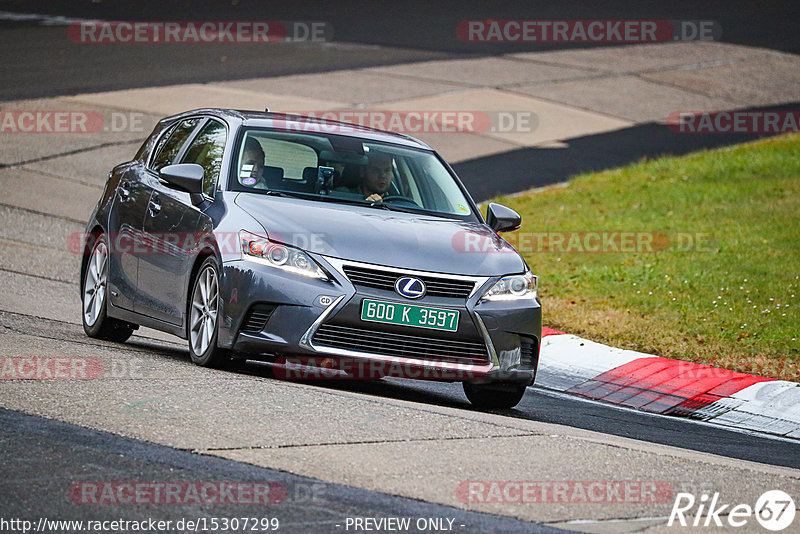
[170, 145]
[206, 150]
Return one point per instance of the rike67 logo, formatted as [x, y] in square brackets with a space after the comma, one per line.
[774, 510]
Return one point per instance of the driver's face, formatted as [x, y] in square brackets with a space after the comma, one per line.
[379, 176]
[255, 159]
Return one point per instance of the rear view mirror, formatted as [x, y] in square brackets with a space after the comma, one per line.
[502, 219]
[324, 182]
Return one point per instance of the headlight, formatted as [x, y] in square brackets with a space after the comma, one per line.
[514, 287]
[266, 252]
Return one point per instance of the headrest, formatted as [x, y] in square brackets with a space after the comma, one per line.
[310, 174]
[273, 175]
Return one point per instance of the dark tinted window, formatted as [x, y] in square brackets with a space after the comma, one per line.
[170, 145]
[206, 151]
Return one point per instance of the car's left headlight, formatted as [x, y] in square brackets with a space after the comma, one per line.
[513, 287]
[279, 255]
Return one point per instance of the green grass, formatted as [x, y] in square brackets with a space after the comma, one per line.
[732, 302]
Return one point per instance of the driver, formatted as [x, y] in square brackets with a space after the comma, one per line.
[252, 172]
[377, 177]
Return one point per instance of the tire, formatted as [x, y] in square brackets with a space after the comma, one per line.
[494, 395]
[96, 322]
[203, 318]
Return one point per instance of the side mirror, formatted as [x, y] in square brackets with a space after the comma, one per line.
[186, 177]
[502, 219]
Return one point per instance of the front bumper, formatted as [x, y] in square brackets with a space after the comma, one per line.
[320, 320]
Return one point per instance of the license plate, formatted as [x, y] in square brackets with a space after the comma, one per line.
[378, 311]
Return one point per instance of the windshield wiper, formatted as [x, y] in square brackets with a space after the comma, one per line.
[389, 207]
[276, 193]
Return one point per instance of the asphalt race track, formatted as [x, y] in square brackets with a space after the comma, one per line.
[337, 449]
[160, 397]
[402, 34]
[311, 505]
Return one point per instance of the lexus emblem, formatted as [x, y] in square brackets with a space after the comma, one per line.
[410, 287]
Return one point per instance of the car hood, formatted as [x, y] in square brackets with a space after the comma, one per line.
[372, 235]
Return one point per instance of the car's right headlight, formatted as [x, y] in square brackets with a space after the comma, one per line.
[279, 255]
[513, 287]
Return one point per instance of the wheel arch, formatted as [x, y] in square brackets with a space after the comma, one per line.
[89, 239]
[204, 253]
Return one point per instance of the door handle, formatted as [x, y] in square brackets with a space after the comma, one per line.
[124, 191]
[154, 206]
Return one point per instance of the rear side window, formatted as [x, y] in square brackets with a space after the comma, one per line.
[206, 150]
[170, 145]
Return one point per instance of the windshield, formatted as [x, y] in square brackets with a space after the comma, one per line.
[346, 169]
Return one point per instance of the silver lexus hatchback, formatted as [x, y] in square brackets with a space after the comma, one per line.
[312, 246]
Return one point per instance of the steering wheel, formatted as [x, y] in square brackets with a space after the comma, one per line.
[399, 199]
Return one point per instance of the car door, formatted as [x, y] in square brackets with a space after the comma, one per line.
[165, 153]
[125, 224]
[172, 222]
[126, 218]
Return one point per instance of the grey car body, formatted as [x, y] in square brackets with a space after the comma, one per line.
[265, 313]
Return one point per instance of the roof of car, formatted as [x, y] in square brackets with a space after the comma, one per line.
[305, 124]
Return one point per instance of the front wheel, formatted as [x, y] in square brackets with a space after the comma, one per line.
[204, 318]
[96, 322]
[494, 395]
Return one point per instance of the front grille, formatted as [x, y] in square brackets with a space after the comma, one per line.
[400, 345]
[257, 317]
[436, 287]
